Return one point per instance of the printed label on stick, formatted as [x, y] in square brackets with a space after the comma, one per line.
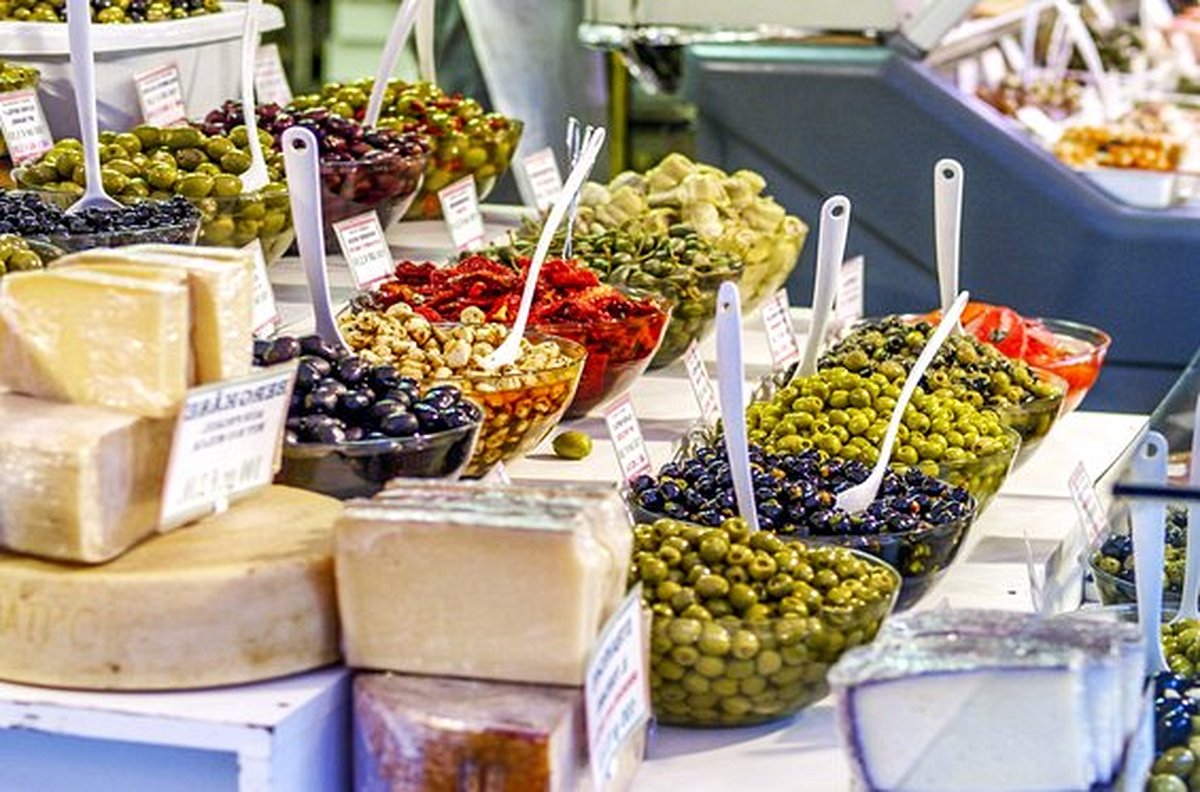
[627, 439]
[270, 80]
[702, 387]
[781, 340]
[848, 306]
[265, 317]
[23, 123]
[160, 95]
[1087, 503]
[365, 249]
[460, 208]
[542, 179]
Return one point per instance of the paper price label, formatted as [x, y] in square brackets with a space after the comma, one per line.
[160, 95]
[542, 180]
[24, 126]
[627, 439]
[702, 387]
[1087, 503]
[365, 249]
[781, 341]
[616, 692]
[225, 444]
[460, 208]
[851, 289]
[270, 80]
[265, 316]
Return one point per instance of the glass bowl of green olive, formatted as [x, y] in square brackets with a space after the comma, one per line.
[746, 626]
[1110, 559]
[1033, 418]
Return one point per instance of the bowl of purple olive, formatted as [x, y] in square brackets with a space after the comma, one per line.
[353, 427]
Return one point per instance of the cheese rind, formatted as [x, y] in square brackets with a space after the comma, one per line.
[91, 338]
[79, 483]
[239, 597]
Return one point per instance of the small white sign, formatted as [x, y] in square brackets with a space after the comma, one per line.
[627, 439]
[851, 290]
[540, 179]
[23, 123]
[616, 692]
[460, 208]
[226, 442]
[265, 316]
[781, 341]
[160, 95]
[994, 66]
[365, 249]
[270, 80]
[1087, 504]
[702, 387]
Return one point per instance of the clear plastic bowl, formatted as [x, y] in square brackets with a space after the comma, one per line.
[1034, 419]
[236, 221]
[386, 183]
[1087, 347]
[486, 157]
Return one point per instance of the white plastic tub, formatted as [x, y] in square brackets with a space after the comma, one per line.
[206, 50]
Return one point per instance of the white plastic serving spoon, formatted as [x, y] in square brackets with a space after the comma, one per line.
[860, 496]
[300, 161]
[402, 26]
[575, 137]
[1191, 576]
[507, 352]
[1147, 518]
[947, 221]
[255, 178]
[730, 390]
[831, 248]
[79, 33]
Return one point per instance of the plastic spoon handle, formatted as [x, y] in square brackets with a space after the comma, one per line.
[831, 249]
[300, 160]
[426, 53]
[1191, 575]
[860, 496]
[255, 178]
[402, 25]
[1148, 518]
[1077, 30]
[507, 352]
[574, 143]
[79, 32]
[730, 390]
[947, 218]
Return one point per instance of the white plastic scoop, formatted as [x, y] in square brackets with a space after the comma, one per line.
[947, 220]
[730, 390]
[402, 26]
[1191, 575]
[575, 137]
[255, 178]
[1147, 521]
[510, 349]
[831, 249]
[79, 33]
[300, 161]
[860, 496]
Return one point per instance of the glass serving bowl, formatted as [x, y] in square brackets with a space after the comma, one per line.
[1085, 348]
[485, 156]
[1113, 586]
[1034, 419]
[766, 275]
[383, 182]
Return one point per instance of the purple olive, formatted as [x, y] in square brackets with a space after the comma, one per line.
[400, 424]
[351, 370]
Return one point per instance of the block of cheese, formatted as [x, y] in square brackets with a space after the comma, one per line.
[221, 287]
[464, 580]
[239, 597]
[79, 483]
[92, 338]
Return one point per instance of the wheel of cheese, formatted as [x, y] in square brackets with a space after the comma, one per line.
[243, 596]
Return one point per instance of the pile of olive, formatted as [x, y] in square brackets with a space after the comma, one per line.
[108, 11]
[157, 163]
[679, 265]
[1176, 736]
[17, 256]
[25, 214]
[1181, 646]
[1115, 560]
[746, 626]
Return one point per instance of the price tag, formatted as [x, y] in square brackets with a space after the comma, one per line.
[270, 80]
[265, 317]
[616, 693]
[460, 208]
[702, 387]
[627, 440]
[365, 249]
[1087, 504]
[994, 67]
[848, 306]
[777, 319]
[24, 126]
[160, 94]
[967, 75]
[225, 444]
[539, 179]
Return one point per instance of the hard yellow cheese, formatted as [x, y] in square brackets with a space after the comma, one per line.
[92, 338]
[239, 597]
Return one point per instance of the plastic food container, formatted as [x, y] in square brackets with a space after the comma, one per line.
[1033, 419]
[236, 221]
[385, 184]
[1087, 347]
[1115, 589]
[1146, 189]
[205, 49]
[694, 309]
[763, 277]
[983, 476]
[485, 156]
[178, 234]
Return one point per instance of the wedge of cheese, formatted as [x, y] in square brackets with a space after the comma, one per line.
[79, 483]
[98, 339]
[238, 597]
[221, 287]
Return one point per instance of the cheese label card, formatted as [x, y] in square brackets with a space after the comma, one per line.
[270, 80]
[460, 208]
[702, 387]
[24, 126]
[540, 180]
[616, 692]
[627, 439]
[160, 95]
[1087, 503]
[365, 249]
[265, 317]
[781, 341]
[851, 288]
[226, 441]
